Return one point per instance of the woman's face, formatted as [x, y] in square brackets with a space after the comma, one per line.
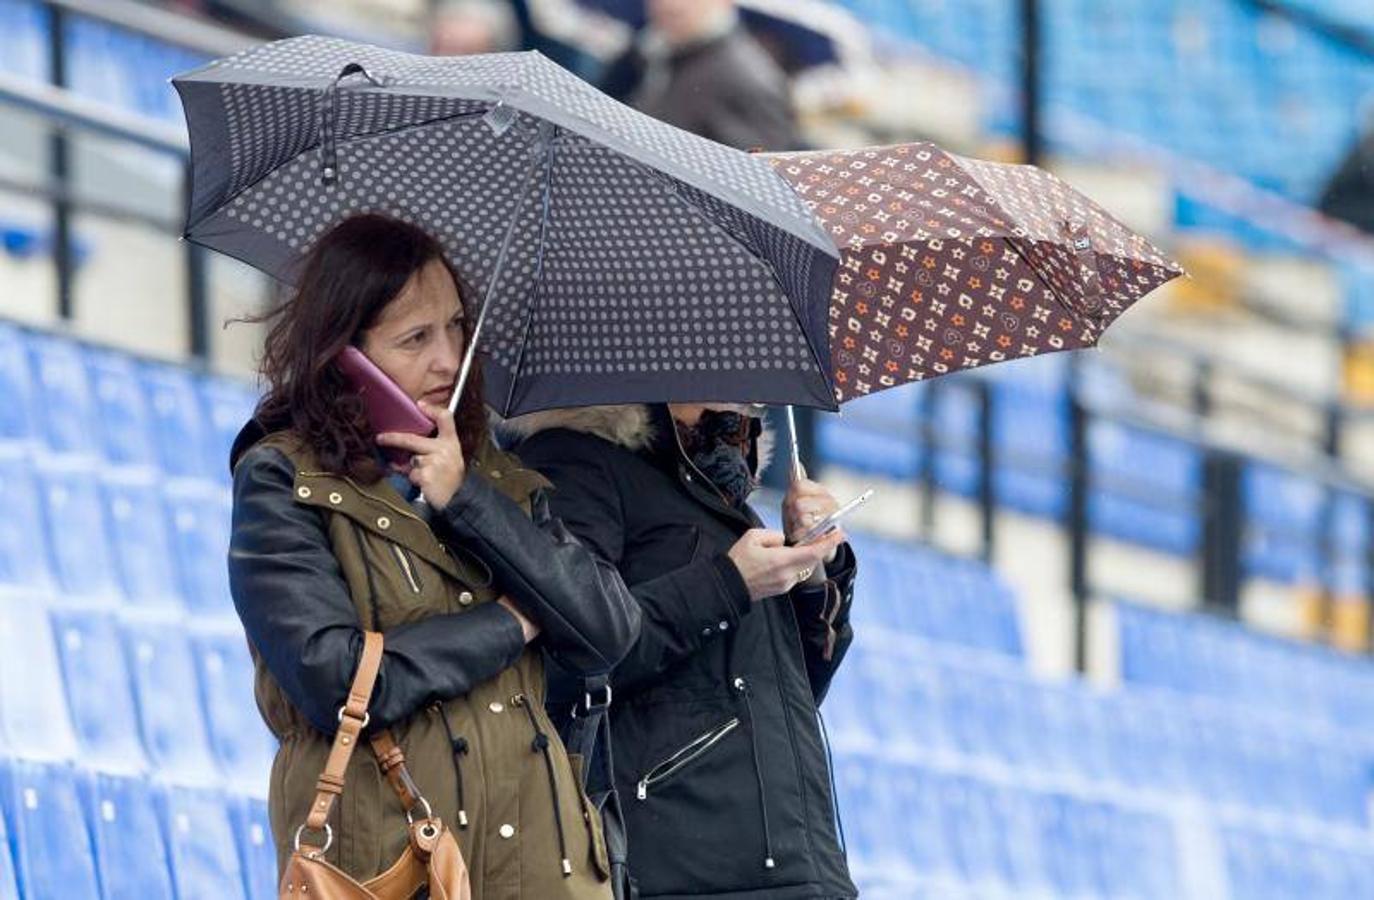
[418, 338]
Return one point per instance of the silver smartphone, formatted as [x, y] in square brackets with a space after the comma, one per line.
[832, 521]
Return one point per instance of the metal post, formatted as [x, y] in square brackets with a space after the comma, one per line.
[197, 290]
[987, 487]
[1222, 526]
[929, 444]
[1032, 138]
[1077, 523]
[59, 167]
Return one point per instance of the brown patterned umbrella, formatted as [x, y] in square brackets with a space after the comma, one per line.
[949, 263]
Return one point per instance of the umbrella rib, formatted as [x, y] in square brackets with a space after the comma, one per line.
[495, 276]
[546, 200]
[315, 146]
[821, 367]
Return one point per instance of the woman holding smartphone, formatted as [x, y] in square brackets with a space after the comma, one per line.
[327, 543]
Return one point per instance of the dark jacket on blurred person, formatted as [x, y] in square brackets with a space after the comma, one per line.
[725, 87]
[316, 557]
[719, 758]
[1349, 195]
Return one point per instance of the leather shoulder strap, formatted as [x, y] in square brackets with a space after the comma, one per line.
[352, 719]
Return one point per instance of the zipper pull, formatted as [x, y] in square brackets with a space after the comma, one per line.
[642, 789]
[741, 685]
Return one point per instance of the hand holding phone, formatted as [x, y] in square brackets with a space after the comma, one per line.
[389, 408]
[832, 521]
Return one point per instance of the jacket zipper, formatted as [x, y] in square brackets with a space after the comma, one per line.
[685, 755]
[795, 628]
[741, 685]
[406, 567]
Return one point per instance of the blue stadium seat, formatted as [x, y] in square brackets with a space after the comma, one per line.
[130, 853]
[99, 691]
[33, 709]
[63, 395]
[9, 887]
[171, 719]
[198, 523]
[242, 743]
[954, 409]
[74, 506]
[228, 406]
[201, 844]
[257, 853]
[126, 429]
[18, 417]
[179, 427]
[1030, 433]
[23, 546]
[48, 834]
[894, 454]
[136, 516]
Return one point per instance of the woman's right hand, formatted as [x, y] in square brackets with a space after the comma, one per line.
[527, 625]
[769, 567]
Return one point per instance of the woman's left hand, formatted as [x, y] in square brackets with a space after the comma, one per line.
[437, 467]
[806, 503]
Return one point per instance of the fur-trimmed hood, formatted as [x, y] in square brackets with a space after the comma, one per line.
[630, 426]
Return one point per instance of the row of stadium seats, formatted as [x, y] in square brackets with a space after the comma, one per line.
[72, 399]
[1015, 841]
[910, 701]
[1211, 658]
[1145, 487]
[126, 70]
[1219, 81]
[77, 833]
[132, 695]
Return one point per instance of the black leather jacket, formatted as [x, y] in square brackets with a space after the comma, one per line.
[587, 616]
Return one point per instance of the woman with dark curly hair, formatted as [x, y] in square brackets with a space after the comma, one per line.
[327, 543]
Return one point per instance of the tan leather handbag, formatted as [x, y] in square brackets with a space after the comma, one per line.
[432, 858]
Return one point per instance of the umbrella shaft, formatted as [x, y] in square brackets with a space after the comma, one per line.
[544, 134]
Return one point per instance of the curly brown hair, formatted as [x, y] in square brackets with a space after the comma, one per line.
[347, 279]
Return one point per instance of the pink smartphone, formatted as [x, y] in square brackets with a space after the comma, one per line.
[388, 407]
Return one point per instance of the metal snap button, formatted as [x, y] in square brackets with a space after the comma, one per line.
[506, 831]
[496, 706]
[383, 522]
[466, 598]
[336, 498]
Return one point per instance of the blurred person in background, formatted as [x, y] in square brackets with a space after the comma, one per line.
[1349, 196]
[695, 66]
[464, 27]
[719, 757]
[325, 543]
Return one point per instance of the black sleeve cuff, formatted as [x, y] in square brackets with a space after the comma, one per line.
[734, 592]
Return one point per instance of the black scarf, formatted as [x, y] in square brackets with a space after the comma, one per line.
[723, 446]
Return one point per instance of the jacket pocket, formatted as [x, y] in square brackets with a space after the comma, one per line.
[683, 757]
[408, 568]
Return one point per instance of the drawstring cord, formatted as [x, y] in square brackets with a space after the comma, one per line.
[742, 686]
[540, 744]
[459, 746]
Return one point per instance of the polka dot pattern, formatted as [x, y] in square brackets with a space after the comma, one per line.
[639, 266]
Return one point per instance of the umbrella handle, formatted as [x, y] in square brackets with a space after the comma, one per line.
[797, 471]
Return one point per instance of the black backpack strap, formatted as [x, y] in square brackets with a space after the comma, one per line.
[589, 727]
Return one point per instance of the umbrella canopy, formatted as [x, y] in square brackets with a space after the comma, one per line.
[950, 263]
[620, 259]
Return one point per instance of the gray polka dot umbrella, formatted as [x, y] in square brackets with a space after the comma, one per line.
[618, 259]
